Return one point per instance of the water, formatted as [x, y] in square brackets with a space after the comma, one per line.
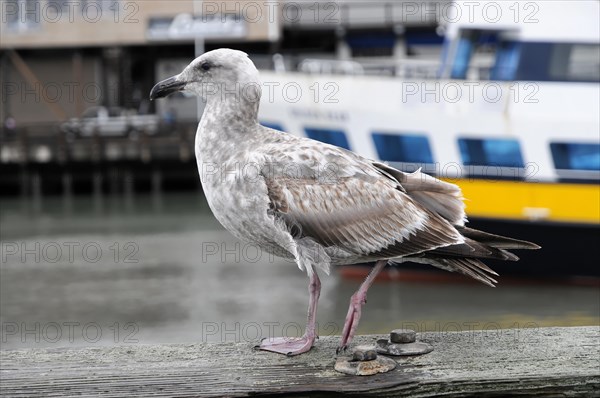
[106, 271]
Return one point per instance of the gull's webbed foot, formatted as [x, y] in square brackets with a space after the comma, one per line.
[289, 346]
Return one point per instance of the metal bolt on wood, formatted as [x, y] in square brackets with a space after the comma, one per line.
[403, 342]
[364, 362]
[403, 336]
[364, 353]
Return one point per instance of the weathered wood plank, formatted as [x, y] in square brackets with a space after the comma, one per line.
[540, 361]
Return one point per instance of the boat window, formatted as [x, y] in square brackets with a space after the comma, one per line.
[371, 44]
[408, 148]
[275, 126]
[464, 51]
[491, 152]
[333, 137]
[462, 58]
[473, 55]
[575, 156]
[584, 63]
[507, 61]
[493, 54]
[564, 62]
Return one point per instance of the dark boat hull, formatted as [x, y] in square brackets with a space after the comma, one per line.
[569, 253]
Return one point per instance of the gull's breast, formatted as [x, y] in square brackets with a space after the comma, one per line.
[238, 199]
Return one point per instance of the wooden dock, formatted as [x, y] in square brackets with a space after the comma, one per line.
[536, 361]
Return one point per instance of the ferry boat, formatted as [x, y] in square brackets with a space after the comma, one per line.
[510, 113]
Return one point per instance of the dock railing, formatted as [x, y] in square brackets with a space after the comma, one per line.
[524, 362]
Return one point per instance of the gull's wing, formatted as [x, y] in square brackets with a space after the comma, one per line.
[340, 199]
[374, 211]
[368, 219]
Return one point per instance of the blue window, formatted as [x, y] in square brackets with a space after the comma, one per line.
[364, 40]
[275, 126]
[569, 156]
[424, 37]
[333, 137]
[562, 62]
[464, 51]
[491, 152]
[411, 148]
[507, 61]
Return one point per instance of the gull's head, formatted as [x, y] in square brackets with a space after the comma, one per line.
[211, 73]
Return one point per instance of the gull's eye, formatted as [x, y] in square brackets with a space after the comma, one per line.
[205, 66]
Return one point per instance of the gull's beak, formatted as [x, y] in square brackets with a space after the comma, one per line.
[166, 87]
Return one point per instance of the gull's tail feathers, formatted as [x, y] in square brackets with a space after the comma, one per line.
[496, 241]
[467, 266]
[466, 258]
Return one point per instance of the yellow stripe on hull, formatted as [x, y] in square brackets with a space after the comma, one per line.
[572, 203]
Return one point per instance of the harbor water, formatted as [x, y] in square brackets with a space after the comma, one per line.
[81, 271]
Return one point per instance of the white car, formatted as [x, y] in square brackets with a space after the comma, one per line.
[111, 122]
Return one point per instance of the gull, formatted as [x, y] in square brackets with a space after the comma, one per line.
[316, 203]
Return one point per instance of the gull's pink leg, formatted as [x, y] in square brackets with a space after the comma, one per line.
[297, 345]
[356, 302]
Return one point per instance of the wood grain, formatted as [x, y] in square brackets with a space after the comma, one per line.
[537, 361]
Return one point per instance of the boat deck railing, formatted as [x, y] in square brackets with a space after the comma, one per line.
[404, 68]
